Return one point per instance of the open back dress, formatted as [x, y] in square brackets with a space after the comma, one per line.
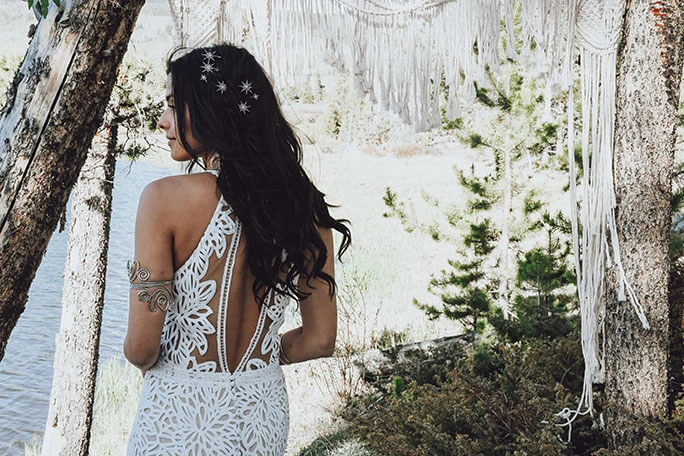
[217, 387]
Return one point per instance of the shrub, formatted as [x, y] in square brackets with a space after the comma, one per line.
[656, 437]
[488, 400]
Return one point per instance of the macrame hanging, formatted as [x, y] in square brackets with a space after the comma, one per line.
[202, 22]
[293, 37]
[444, 43]
[546, 40]
[598, 30]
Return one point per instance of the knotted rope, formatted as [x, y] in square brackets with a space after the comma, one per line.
[598, 28]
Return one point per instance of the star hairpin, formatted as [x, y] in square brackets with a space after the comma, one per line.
[209, 56]
[255, 96]
[221, 87]
[246, 86]
[203, 77]
[243, 107]
[207, 67]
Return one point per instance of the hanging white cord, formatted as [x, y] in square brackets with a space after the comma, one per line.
[598, 30]
[386, 10]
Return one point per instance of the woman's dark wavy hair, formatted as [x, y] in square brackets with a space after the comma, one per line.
[261, 175]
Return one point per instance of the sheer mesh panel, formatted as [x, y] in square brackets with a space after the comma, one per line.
[237, 312]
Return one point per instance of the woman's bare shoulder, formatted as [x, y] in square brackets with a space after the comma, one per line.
[180, 201]
[182, 188]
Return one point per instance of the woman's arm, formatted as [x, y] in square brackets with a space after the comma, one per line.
[316, 337]
[151, 290]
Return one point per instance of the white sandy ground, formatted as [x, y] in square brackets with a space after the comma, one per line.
[387, 267]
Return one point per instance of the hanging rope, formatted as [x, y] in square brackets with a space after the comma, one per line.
[388, 10]
[599, 25]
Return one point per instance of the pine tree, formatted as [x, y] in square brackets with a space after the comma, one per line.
[485, 274]
[467, 291]
[544, 282]
[466, 296]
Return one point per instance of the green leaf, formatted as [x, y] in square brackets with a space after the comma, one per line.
[30, 4]
[475, 140]
[677, 200]
[57, 2]
[44, 4]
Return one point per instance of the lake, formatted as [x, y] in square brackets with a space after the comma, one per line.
[26, 370]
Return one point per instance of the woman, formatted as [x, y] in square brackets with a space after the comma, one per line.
[218, 254]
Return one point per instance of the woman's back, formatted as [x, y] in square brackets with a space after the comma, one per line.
[215, 320]
[219, 349]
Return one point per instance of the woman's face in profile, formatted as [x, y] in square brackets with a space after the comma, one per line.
[168, 123]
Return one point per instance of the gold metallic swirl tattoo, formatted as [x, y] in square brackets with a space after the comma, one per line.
[157, 295]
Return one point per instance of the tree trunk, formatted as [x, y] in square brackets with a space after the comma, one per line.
[647, 98]
[77, 345]
[55, 105]
[505, 237]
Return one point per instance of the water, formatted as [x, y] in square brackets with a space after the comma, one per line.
[26, 370]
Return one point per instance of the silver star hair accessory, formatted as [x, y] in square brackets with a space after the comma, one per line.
[255, 96]
[203, 77]
[243, 107]
[221, 87]
[207, 67]
[246, 86]
[209, 56]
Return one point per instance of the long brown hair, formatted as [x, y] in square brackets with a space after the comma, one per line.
[234, 111]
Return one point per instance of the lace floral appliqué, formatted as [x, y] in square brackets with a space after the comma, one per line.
[193, 407]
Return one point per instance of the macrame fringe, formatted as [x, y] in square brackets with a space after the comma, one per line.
[598, 30]
[436, 62]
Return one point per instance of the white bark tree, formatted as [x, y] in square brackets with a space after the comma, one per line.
[77, 344]
[134, 105]
[55, 105]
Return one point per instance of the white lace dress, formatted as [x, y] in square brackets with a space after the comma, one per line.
[192, 401]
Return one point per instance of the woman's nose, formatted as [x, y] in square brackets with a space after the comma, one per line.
[162, 123]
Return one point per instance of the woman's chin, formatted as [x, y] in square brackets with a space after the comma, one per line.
[180, 157]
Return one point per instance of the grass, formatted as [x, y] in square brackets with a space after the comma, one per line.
[32, 448]
[116, 398]
[340, 443]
